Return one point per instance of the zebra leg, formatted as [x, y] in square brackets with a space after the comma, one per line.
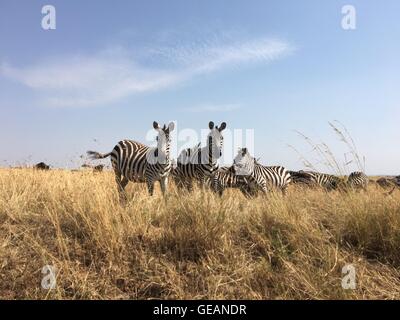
[150, 186]
[121, 184]
[202, 183]
[258, 185]
[178, 182]
[164, 184]
[264, 188]
[246, 191]
[217, 187]
[188, 185]
[249, 191]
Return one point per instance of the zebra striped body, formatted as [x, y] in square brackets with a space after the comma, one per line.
[225, 178]
[131, 160]
[187, 172]
[302, 178]
[198, 164]
[261, 177]
[324, 180]
[276, 177]
[358, 180]
[136, 162]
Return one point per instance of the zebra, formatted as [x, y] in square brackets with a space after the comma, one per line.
[302, 178]
[225, 177]
[196, 164]
[261, 177]
[327, 181]
[136, 162]
[357, 180]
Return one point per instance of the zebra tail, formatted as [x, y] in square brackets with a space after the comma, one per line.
[97, 155]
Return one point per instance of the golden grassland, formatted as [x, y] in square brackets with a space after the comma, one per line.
[192, 246]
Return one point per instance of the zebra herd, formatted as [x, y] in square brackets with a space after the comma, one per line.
[133, 161]
[356, 180]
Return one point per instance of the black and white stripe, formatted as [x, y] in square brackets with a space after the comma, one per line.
[196, 164]
[358, 180]
[302, 178]
[324, 180]
[261, 177]
[136, 162]
[226, 178]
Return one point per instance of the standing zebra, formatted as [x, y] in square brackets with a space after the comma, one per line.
[261, 177]
[196, 164]
[324, 180]
[136, 162]
[357, 180]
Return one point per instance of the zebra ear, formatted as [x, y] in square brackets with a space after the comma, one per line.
[155, 125]
[211, 125]
[244, 151]
[171, 126]
[222, 127]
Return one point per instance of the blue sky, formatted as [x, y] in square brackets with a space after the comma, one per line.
[111, 68]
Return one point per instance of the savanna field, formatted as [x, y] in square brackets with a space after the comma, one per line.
[192, 246]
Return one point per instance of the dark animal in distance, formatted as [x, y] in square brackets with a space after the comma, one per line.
[41, 166]
[385, 183]
[97, 168]
[388, 183]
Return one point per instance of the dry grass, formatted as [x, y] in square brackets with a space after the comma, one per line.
[326, 159]
[192, 246]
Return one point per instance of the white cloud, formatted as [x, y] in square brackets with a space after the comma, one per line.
[114, 74]
[213, 108]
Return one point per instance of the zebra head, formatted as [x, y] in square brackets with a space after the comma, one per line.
[215, 140]
[244, 163]
[163, 141]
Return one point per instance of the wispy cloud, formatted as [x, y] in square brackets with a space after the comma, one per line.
[213, 108]
[110, 75]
